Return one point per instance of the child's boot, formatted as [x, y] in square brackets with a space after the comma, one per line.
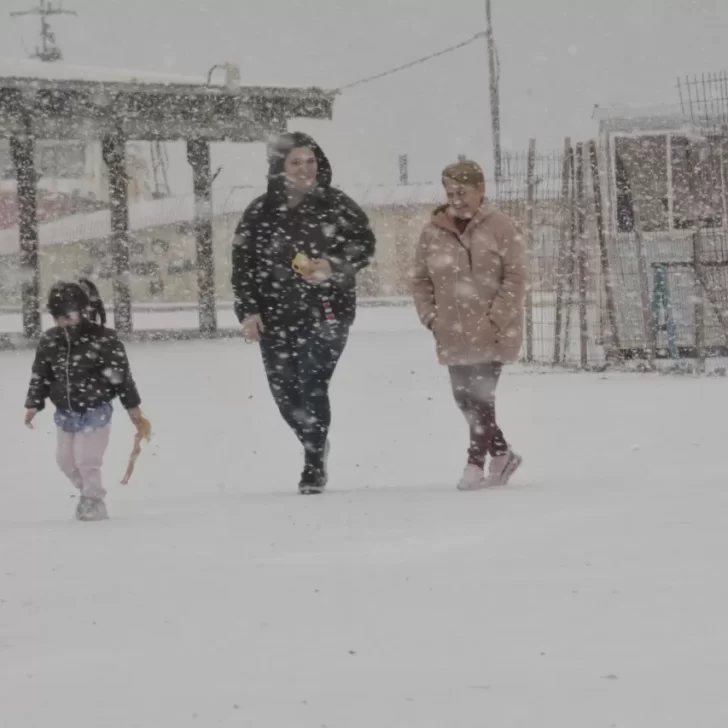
[91, 509]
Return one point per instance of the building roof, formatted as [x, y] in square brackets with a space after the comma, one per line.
[73, 102]
[625, 118]
[52, 73]
[181, 209]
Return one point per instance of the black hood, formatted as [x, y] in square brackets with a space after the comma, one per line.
[67, 299]
[81, 299]
[277, 153]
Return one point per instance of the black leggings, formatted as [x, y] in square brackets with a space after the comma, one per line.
[299, 365]
[474, 390]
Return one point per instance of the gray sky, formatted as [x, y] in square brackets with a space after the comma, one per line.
[556, 63]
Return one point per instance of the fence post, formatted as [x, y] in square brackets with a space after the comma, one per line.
[581, 257]
[571, 255]
[198, 156]
[561, 255]
[530, 202]
[603, 252]
[695, 214]
[647, 319]
[113, 149]
[23, 153]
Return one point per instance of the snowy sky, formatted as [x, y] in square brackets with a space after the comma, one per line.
[556, 63]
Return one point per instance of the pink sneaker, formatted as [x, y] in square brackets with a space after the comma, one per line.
[473, 478]
[502, 468]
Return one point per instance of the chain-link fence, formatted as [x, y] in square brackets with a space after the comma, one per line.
[591, 217]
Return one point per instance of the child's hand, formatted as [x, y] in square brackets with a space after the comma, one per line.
[29, 417]
[135, 415]
[142, 424]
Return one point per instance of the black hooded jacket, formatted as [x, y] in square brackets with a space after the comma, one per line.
[80, 368]
[326, 224]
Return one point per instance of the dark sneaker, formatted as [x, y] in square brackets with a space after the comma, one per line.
[313, 480]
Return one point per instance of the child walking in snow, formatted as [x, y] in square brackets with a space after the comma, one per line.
[81, 366]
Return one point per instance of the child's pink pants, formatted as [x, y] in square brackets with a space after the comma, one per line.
[80, 456]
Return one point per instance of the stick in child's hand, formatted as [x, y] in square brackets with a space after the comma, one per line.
[144, 432]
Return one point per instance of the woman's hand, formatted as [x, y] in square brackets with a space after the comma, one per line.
[253, 327]
[29, 417]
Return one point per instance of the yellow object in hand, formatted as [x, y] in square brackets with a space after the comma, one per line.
[145, 429]
[303, 265]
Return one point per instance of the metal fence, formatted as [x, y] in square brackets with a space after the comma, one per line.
[591, 296]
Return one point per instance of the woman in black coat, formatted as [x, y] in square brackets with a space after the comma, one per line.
[296, 253]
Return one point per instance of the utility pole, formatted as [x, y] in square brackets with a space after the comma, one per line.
[49, 50]
[494, 71]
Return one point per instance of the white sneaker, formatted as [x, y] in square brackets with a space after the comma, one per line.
[473, 478]
[502, 468]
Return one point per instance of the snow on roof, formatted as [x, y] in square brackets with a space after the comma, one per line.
[10, 68]
[38, 70]
[181, 209]
[621, 117]
[624, 111]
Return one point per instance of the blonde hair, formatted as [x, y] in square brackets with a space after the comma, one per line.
[465, 172]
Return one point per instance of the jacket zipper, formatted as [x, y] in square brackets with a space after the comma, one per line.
[68, 370]
[457, 282]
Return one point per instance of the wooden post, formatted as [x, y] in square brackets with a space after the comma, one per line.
[699, 311]
[581, 257]
[723, 152]
[571, 255]
[530, 202]
[403, 169]
[198, 155]
[494, 73]
[693, 163]
[23, 152]
[113, 149]
[561, 255]
[603, 253]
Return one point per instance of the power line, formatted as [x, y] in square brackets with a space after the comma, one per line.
[424, 59]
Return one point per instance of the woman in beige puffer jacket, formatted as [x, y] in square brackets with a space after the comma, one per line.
[469, 286]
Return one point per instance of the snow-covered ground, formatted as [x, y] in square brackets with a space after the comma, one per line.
[591, 593]
[401, 315]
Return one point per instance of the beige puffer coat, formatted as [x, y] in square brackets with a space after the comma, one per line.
[469, 288]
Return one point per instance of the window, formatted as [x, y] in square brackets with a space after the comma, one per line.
[642, 182]
[653, 179]
[696, 182]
